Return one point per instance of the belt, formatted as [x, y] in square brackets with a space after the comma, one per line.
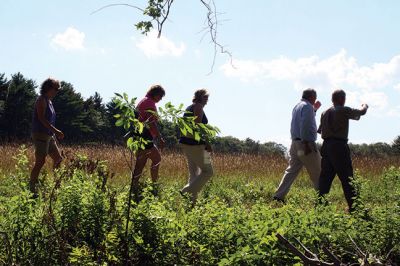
[335, 139]
[297, 139]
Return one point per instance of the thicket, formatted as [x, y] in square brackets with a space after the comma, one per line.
[79, 218]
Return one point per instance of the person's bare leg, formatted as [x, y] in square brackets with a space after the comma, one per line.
[57, 158]
[155, 158]
[141, 159]
[34, 178]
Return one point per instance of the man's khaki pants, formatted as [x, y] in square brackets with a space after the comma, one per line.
[200, 168]
[297, 160]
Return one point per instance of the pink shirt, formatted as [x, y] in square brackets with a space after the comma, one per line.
[144, 116]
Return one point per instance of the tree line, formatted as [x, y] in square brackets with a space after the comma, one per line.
[92, 120]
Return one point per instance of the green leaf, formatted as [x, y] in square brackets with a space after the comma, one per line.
[119, 122]
[196, 136]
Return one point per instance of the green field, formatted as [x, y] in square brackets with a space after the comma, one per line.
[80, 215]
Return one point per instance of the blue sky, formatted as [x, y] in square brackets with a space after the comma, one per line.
[279, 48]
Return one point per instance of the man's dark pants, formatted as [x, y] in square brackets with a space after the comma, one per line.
[336, 160]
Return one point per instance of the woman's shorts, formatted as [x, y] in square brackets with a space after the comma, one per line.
[44, 144]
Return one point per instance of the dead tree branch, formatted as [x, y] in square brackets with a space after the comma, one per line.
[159, 13]
[307, 256]
[212, 29]
[112, 5]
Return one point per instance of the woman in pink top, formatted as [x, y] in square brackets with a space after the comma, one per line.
[146, 108]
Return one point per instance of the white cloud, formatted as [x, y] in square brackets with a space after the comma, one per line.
[70, 39]
[377, 101]
[157, 47]
[339, 70]
[362, 83]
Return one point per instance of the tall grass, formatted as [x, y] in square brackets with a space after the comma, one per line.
[174, 165]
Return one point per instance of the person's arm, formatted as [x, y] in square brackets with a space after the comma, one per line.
[41, 110]
[306, 123]
[355, 114]
[153, 127]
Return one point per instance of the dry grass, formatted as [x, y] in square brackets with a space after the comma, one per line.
[174, 164]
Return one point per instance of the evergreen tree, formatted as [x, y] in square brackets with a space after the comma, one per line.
[396, 146]
[3, 96]
[18, 107]
[114, 134]
[96, 117]
[71, 116]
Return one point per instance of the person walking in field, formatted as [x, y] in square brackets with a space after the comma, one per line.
[336, 159]
[197, 152]
[44, 132]
[303, 149]
[147, 112]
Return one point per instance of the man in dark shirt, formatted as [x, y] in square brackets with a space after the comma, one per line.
[335, 152]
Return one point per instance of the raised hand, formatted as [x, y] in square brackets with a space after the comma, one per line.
[317, 105]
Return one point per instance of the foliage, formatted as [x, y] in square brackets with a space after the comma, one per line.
[90, 120]
[396, 145]
[17, 99]
[129, 120]
[78, 220]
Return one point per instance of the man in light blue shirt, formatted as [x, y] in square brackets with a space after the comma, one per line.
[303, 150]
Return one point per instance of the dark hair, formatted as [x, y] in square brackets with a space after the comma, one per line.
[49, 84]
[337, 95]
[308, 93]
[156, 90]
[199, 94]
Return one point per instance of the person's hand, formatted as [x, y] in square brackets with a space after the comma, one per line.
[209, 148]
[317, 105]
[364, 106]
[59, 134]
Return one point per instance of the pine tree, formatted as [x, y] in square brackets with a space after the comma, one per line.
[71, 116]
[3, 96]
[18, 107]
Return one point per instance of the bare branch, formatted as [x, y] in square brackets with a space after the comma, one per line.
[213, 22]
[111, 5]
[161, 23]
[161, 16]
[312, 260]
[336, 260]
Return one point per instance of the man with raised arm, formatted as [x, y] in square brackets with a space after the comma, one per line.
[303, 150]
[336, 159]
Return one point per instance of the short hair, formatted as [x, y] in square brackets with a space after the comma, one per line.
[49, 84]
[199, 94]
[155, 90]
[337, 95]
[308, 93]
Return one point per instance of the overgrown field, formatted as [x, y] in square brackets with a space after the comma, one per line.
[80, 215]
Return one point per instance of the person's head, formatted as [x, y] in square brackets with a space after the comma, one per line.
[338, 98]
[201, 96]
[50, 87]
[310, 95]
[156, 92]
